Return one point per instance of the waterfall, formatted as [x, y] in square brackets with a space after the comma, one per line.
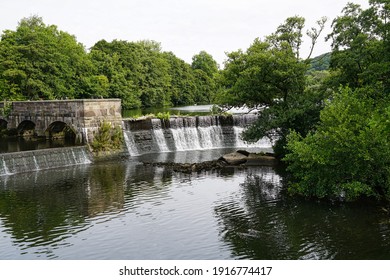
[211, 137]
[188, 133]
[18, 162]
[36, 165]
[130, 143]
[158, 135]
[3, 168]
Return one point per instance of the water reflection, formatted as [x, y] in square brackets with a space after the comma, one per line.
[43, 209]
[18, 144]
[268, 224]
[125, 210]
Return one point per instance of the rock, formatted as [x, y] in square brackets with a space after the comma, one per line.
[234, 158]
[243, 152]
[261, 160]
[189, 167]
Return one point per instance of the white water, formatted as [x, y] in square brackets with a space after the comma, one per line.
[191, 133]
[36, 163]
[130, 143]
[211, 137]
[160, 140]
[4, 169]
[45, 159]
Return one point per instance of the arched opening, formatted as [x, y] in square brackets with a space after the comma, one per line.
[3, 131]
[3, 124]
[26, 129]
[60, 131]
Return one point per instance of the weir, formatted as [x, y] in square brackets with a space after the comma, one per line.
[188, 133]
[26, 161]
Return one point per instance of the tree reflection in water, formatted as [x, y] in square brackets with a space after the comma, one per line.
[266, 223]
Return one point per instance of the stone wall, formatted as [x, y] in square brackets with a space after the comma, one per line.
[82, 116]
[96, 111]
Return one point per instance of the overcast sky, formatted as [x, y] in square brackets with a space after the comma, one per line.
[184, 27]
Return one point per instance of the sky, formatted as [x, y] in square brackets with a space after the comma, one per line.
[184, 27]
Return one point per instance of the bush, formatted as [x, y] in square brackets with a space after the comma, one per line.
[349, 154]
[108, 138]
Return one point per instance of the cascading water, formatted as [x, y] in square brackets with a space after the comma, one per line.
[158, 135]
[189, 133]
[3, 168]
[18, 162]
[129, 141]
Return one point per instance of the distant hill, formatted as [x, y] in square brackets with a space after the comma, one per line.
[320, 63]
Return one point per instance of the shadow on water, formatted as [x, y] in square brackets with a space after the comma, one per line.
[43, 209]
[125, 210]
[269, 224]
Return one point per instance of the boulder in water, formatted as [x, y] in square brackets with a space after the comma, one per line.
[261, 160]
[235, 158]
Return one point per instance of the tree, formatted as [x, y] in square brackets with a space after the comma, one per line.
[37, 61]
[348, 155]
[138, 73]
[271, 77]
[205, 73]
[183, 82]
[361, 46]
[113, 61]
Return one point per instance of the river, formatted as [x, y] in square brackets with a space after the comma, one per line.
[125, 210]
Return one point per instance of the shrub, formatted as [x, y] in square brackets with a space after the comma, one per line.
[108, 138]
[349, 154]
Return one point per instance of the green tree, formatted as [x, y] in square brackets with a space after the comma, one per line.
[361, 46]
[116, 62]
[37, 61]
[138, 73]
[205, 73]
[348, 155]
[183, 83]
[271, 77]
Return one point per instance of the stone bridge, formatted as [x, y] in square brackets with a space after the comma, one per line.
[48, 118]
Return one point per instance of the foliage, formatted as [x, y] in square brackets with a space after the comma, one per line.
[108, 138]
[320, 63]
[6, 109]
[38, 61]
[205, 71]
[163, 116]
[348, 155]
[271, 77]
[183, 82]
[361, 46]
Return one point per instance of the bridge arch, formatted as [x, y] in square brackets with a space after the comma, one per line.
[3, 124]
[26, 129]
[60, 130]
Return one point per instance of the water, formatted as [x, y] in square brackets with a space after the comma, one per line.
[189, 133]
[12, 145]
[28, 161]
[125, 210]
[192, 110]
